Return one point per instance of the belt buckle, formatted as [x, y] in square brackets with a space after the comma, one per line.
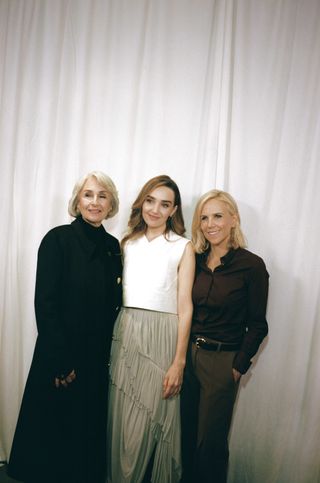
[200, 340]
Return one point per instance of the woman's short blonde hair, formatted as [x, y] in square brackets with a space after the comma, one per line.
[237, 238]
[105, 181]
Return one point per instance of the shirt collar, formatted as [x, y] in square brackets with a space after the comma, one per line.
[225, 260]
[228, 256]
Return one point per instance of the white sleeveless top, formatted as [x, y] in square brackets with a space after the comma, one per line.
[150, 273]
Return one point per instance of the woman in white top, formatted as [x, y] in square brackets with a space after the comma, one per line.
[150, 340]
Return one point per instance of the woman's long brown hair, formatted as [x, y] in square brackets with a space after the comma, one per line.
[136, 224]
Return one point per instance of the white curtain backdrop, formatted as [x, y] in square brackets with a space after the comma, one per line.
[215, 93]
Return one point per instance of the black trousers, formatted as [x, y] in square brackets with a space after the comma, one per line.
[207, 399]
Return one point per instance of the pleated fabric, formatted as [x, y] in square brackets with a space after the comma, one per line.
[140, 422]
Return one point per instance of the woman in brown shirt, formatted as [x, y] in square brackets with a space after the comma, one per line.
[230, 297]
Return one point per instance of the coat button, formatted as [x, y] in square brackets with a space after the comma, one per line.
[118, 280]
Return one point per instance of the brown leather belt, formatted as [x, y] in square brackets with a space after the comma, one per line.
[213, 346]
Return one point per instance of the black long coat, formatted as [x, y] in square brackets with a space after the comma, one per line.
[61, 432]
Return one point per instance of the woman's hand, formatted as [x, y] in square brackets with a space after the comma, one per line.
[172, 381]
[236, 375]
[65, 381]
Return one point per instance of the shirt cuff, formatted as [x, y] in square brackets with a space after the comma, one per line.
[241, 362]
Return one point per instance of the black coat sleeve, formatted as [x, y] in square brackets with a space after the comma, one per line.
[52, 341]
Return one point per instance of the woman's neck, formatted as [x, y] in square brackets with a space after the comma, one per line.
[214, 256]
[151, 234]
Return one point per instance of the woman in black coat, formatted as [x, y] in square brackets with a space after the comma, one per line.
[61, 431]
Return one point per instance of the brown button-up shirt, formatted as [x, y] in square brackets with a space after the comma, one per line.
[230, 302]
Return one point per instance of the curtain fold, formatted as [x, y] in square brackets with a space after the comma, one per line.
[215, 93]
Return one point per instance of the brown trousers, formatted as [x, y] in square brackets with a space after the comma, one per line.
[207, 399]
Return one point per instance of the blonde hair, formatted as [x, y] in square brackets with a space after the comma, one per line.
[237, 239]
[136, 223]
[105, 181]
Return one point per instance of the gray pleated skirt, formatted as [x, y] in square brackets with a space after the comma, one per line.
[140, 422]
